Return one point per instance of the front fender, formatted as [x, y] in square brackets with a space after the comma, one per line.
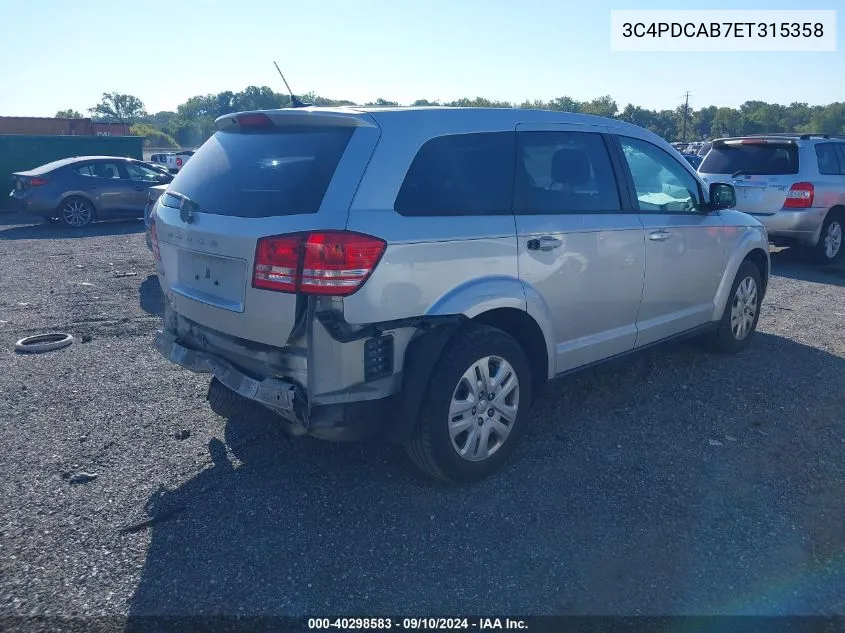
[754, 237]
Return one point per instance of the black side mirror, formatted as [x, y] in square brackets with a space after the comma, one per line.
[722, 196]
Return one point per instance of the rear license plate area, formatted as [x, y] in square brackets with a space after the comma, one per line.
[217, 281]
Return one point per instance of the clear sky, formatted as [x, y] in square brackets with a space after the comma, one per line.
[57, 54]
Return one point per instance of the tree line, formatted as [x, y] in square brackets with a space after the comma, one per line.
[193, 121]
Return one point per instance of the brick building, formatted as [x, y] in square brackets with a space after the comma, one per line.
[49, 126]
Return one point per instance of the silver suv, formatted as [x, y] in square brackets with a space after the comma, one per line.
[794, 184]
[420, 273]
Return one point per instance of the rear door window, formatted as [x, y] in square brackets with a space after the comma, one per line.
[99, 170]
[829, 161]
[460, 174]
[564, 172]
[260, 174]
[751, 159]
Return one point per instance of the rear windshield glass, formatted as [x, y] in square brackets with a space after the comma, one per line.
[256, 175]
[770, 159]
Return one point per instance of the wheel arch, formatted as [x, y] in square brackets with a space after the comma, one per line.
[526, 331]
[77, 194]
[753, 246]
[425, 350]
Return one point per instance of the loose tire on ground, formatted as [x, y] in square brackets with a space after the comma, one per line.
[432, 445]
[726, 339]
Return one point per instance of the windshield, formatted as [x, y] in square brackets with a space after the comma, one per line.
[281, 172]
[771, 159]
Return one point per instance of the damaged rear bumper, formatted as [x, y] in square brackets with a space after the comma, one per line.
[282, 397]
[348, 421]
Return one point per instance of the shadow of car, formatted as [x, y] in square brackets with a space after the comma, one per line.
[615, 481]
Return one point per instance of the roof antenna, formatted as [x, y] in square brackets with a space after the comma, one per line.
[294, 100]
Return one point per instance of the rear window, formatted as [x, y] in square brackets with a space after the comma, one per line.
[255, 175]
[770, 159]
[460, 174]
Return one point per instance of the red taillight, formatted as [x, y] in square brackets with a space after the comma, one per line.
[337, 263]
[277, 263]
[333, 263]
[255, 121]
[800, 196]
[154, 237]
[178, 162]
[37, 182]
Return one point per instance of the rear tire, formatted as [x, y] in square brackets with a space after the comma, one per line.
[830, 248]
[76, 212]
[462, 434]
[742, 311]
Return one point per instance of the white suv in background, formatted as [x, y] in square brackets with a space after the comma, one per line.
[793, 183]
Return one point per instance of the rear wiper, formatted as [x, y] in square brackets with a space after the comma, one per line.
[741, 172]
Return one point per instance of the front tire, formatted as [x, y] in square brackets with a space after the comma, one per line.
[475, 407]
[76, 212]
[830, 247]
[739, 320]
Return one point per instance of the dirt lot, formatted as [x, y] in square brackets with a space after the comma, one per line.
[677, 482]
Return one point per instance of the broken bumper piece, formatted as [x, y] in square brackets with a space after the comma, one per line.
[278, 395]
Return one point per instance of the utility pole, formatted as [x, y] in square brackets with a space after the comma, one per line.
[686, 113]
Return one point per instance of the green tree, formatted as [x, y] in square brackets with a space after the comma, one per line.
[118, 108]
[759, 117]
[828, 120]
[382, 102]
[603, 106]
[564, 104]
[152, 137]
[726, 122]
[637, 115]
[702, 122]
[684, 124]
[68, 114]
[478, 102]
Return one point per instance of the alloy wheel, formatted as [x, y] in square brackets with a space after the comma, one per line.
[77, 213]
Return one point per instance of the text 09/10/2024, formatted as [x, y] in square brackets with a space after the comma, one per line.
[724, 31]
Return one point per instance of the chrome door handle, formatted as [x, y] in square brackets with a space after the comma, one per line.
[545, 243]
[659, 236]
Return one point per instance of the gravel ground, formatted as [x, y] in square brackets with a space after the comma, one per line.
[676, 482]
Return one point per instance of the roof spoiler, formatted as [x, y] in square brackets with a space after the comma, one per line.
[308, 116]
